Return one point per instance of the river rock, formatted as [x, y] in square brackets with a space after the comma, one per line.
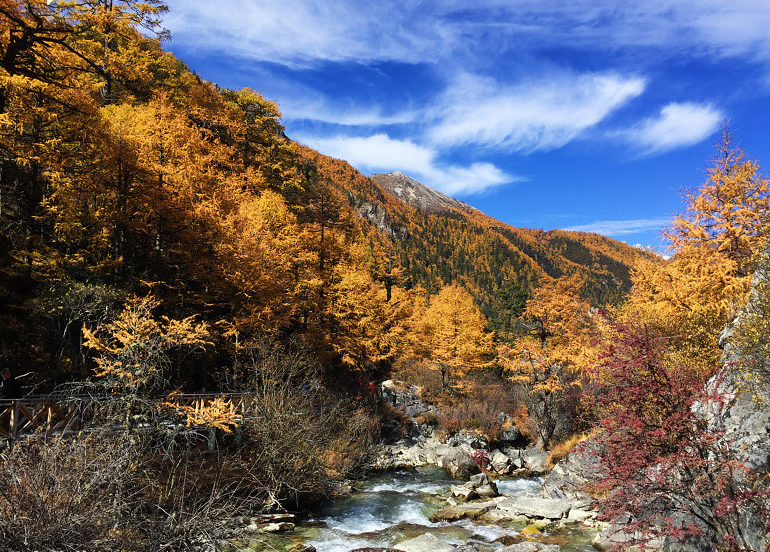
[535, 460]
[277, 527]
[301, 548]
[529, 546]
[425, 543]
[469, 510]
[457, 463]
[462, 492]
[483, 487]
[514, 455]
[533, 507]
[500, 462]
[487, 491]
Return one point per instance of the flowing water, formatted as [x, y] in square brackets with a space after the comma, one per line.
[393, 507]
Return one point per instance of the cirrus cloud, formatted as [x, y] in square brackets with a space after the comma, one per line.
[529, 116]
[621, 227]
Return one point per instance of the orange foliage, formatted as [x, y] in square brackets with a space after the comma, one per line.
[449, 330]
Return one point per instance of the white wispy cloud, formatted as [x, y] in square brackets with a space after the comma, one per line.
[300, 33]
[303, 32]
[621, 227]
[529, 116]
[324, 110]
[381, 153]
[677, 125]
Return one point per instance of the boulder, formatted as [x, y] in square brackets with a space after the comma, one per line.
[471, 439]
[425, 543]
[535, 460]
[470, 510]
[499, 462]
[462, 492]
[487, 491]
[580, 516]
[478, 480]
[514, 455]
[529, 546]
[457, 463]
[510, 435]
[481, 486]
[532, 507]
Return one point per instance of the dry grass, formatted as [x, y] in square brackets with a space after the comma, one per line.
[560, 450]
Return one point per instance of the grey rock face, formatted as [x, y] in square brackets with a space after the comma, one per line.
[535, 460]
[470, 439]
[581, 467]
[418, 195]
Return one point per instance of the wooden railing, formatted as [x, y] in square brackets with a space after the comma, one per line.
[45, 414]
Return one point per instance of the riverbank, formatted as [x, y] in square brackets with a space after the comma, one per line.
[398, 510]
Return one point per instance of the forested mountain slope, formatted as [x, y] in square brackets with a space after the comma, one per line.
[438, 240]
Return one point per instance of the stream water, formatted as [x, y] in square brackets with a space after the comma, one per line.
[392, 507]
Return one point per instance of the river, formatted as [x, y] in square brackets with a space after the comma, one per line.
[392, 507]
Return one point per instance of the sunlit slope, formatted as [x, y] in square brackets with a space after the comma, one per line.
[437, 240]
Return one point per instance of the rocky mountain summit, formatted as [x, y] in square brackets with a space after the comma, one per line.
[411, 192]
[652, 249]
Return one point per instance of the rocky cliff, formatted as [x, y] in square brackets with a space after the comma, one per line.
[417, 195]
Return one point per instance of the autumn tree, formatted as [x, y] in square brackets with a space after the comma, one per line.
[728, 214]
[549, 359]
[451, 333]
[134, 349]
[667, 474]
[366, 330]
[691, 298]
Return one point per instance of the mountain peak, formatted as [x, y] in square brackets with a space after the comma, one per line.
[411, 192]
[652, 249]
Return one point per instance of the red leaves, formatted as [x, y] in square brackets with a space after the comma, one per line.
[665, 469]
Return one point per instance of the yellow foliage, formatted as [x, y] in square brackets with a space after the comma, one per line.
[556, 349]
[691, 298]
[218, 413]
[133, 348]
[450, 331]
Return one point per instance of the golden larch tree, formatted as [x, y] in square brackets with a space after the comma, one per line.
[452, 334]
[690, 299]
[551, 356]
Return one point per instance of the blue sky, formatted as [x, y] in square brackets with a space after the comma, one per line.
[541, 113]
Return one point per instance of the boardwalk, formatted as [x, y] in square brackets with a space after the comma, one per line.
[46, 414]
